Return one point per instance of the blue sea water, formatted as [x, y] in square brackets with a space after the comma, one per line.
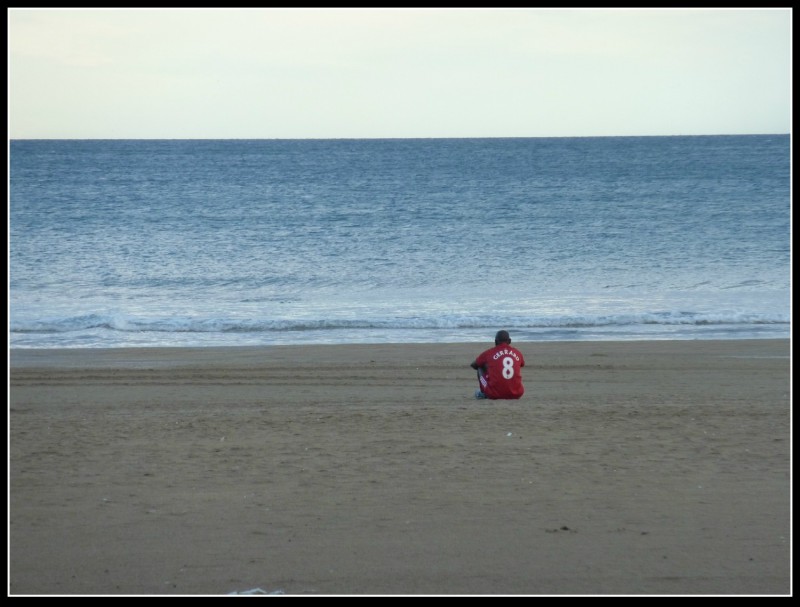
[121, 243]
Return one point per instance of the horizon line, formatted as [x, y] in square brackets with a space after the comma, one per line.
[10, 139]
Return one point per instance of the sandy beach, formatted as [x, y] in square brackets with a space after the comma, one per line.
[632, 468]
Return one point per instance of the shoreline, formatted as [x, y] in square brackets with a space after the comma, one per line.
[25, 356]
[632, 467]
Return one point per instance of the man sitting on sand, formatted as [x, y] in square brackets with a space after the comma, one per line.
[499, 370]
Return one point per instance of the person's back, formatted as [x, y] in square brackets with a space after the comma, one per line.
[500, 370]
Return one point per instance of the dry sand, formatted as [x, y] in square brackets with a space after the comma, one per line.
[627, 468]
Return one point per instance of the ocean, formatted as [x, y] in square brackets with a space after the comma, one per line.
[128, 243]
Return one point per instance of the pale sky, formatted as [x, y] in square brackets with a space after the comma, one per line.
[366, 73]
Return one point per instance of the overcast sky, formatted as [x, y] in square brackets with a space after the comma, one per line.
[361, 73]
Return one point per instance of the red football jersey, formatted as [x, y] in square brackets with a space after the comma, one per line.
[503, 376]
